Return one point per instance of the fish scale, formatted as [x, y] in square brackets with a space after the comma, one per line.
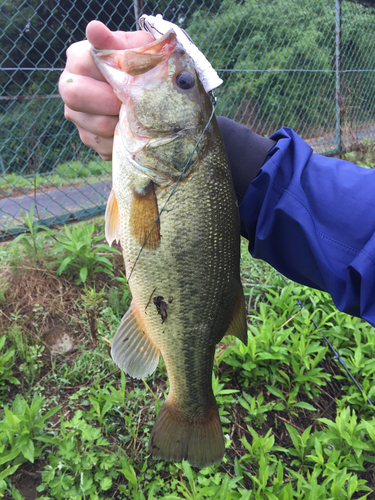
[184, 265]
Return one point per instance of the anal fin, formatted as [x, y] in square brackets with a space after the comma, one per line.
[144, 223]
[238, 326]
[132, 349]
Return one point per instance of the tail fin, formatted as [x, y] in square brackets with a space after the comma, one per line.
[198, 439]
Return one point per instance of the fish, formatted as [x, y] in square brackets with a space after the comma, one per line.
[174, 210]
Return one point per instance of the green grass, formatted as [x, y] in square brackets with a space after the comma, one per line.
[364, 155]
[64, 173]
[295, 426]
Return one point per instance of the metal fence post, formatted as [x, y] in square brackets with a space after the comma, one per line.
[138, 6]
[338, 76]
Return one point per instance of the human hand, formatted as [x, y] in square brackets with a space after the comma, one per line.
[90, 102]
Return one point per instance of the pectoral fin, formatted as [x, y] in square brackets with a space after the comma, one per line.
[144, 223]
[112, 220]
[132, 349]
[238, 326]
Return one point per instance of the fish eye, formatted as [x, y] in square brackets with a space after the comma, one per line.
[185, 80]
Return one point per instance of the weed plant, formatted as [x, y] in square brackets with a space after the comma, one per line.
[32, 241]
[77, 251]
[28, 351]
[7, 356]
[364, 155]
[295, 426]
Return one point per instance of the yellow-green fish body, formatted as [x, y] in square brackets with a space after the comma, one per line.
[183, 267]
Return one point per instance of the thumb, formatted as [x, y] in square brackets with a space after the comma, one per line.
[103, 38]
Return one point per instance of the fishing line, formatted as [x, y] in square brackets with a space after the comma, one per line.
[213, 102]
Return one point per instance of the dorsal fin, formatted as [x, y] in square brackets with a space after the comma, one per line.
[238, 326]
[112, 220]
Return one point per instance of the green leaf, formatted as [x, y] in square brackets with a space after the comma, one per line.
[19, 405]
[106, 483]
[237, 468]
[83, 274]
[64, 264]
[224, 488]
[9, 471]
[86, 482]
[352, 485]
[304, 405]
[130, 475]
[294, 436]
[10, 456]
[28, 450]
[51, 412]
[370, 428]
[276, 392]
[14, 380]
[16, 494]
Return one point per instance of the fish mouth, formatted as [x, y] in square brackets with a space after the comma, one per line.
[134, 61]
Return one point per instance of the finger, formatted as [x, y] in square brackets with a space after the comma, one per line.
[104, 126]
[102, 145]
[102, 38]
[79, 59]
[86, 95]
[80, 62]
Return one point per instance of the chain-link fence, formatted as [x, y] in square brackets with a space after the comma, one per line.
[309, 65]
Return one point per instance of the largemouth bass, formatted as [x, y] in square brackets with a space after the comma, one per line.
[183, 267]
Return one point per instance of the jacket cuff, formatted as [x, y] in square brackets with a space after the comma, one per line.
[246, 150]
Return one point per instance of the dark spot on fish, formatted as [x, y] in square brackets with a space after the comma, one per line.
[170, 300]
[127, 338]
[177, 441]
[156, 447]
[161, 307]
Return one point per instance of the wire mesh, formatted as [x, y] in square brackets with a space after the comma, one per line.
[277, 59]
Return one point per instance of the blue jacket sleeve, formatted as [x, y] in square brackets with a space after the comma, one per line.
[313, 219]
